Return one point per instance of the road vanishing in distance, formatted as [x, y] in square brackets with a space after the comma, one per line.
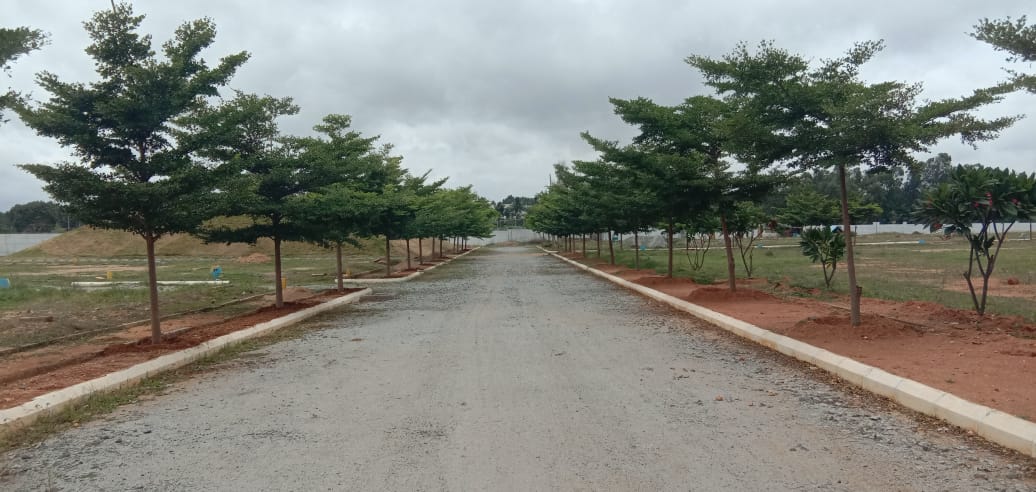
[509, 370]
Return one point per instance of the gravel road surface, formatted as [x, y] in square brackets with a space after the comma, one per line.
[508, 370]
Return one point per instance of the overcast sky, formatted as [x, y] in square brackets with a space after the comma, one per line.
[493, 93]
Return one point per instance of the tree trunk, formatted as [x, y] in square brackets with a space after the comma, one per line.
[620, 242]
[338, 257]
[731, 280]
[636, 250]
[611, 248]
[850, 261]
[598, 244]
[278, 289]
[408, 254]
[420, 251]
[152, 285]
[388, 258]
[584, 245]
[669, 237]
[442, 254]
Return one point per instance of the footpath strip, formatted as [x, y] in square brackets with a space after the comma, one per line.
[1004, 429]
[24, 414]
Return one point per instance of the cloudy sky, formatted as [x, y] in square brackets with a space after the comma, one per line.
[493, 93]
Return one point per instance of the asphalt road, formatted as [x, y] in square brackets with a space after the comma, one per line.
[508, 370]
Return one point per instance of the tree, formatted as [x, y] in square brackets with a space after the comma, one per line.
[994, 199]
[1016, 38]
[806, 207]
[137, 170]
[822, 245]
[700, 127]
[15, 42]
[746, 227]
[828, 117]
[334, 214]
[36, 216]
[679, 183]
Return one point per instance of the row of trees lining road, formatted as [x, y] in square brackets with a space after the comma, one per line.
[160, 153]
[780, 116]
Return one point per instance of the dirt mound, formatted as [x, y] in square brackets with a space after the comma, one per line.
[654, 280]
[87, 241]
[254, 258]
[723, 294]
[872, 327]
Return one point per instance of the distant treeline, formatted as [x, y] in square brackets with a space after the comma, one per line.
[36, 216]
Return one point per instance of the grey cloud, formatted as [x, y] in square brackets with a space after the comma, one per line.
[494, 93]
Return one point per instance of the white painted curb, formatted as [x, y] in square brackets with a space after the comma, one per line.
[26, 413]
[362, 281]
[1004, 429]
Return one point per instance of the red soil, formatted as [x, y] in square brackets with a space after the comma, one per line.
[989, 360]
[29, 374]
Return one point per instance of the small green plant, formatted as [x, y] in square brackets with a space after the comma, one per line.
[823, 246]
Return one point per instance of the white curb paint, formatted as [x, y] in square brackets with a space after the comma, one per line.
[1006, 430]
[26, 413]
[363, 281]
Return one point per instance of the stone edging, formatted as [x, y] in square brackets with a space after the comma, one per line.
[26, 413]
[999, 427]
[362, 281]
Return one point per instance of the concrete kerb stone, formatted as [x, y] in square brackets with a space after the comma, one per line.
[362, 281]
[1006, 430]
[24, 414]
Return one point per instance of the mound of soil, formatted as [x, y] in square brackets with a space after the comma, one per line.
[254, 258]
[723, 294]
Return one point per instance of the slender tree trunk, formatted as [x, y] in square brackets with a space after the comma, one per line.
[442, 254]
[420, 251]
[408, 254]
[388, 257]
[152, 286]
[620, 242]
[584, 244]
[338, 257]
[731, 280]
[850, 260]
[278, 289]
[669, 236]
[598, 244]
[636, 250]
[611, 248]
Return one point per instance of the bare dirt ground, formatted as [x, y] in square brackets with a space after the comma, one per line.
[508, 370]
[26, 375]
[989, 360]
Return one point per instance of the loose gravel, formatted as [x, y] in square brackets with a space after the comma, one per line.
[508, 370]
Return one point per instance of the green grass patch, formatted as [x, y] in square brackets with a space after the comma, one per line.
[929, 271]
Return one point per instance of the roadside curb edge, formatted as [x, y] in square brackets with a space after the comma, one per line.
[24, 414]
[996, 426]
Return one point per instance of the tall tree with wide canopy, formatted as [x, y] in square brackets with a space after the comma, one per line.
[828, 117]
[137, 169]
[700, 126]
